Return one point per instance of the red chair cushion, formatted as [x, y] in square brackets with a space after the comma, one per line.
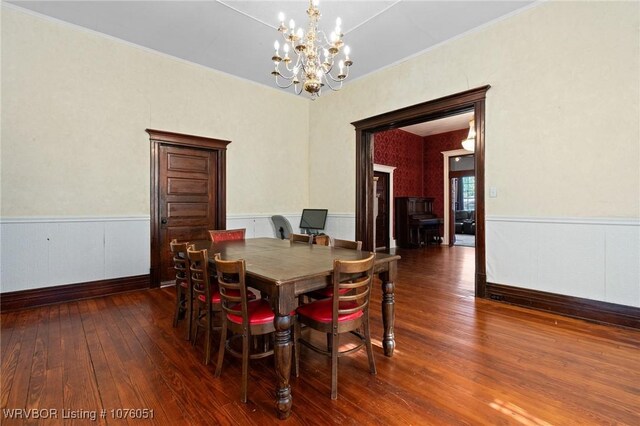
[259, 313]
[321, 311]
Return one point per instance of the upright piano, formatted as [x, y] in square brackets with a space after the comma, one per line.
[415, 222]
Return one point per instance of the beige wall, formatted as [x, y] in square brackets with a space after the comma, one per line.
[562, 136]
[75, 106]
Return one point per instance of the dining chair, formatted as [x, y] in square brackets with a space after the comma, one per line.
[282, 226]
[347, 244]
[344, 312]
[218, 235]
[244, 317]
[205, 296]
[301, 238]
[321, 240]
[184, 299]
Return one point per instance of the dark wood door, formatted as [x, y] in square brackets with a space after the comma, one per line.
[383, 213]
[187, 198]
[188, 193]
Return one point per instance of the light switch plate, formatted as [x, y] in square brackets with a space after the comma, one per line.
[493, 192]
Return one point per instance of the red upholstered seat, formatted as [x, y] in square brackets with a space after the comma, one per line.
[321, 311]
[259, 313]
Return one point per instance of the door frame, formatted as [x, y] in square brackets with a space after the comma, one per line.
[390, 170]
[447, 191]
[473, 99]
[159, 138]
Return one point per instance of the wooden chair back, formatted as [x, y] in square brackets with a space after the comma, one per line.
[218, 235]
[300, 238]
[347, 244]
[180, 261]
[321, 240]
[199, 268]
[352, 280]
[232, 287]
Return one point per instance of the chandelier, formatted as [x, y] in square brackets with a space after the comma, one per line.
[469, 143]
[314, 55]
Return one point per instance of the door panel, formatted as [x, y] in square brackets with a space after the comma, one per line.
[187, 198]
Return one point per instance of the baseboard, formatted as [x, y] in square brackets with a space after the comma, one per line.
[66, 293]
[587, 309]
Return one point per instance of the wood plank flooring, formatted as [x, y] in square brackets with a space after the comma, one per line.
[458, 361]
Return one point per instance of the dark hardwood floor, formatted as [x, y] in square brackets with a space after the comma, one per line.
[458, 360]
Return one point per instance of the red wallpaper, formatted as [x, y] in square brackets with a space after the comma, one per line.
[433, 169]
[403, 150]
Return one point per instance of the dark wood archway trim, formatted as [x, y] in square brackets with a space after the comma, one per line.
[438, 108]
[160, 137]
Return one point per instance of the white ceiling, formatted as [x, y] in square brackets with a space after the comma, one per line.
[441, 125]
[236, 37]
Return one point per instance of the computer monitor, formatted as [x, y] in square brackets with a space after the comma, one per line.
[313, 220]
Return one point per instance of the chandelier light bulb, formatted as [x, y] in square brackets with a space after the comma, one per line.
[300, 33]
[338, 22]
[292, 24]
[347, 50]
[281, 17]
[286, 48]
[276, 46]
[315, 3]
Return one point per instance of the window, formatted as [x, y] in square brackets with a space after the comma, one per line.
[468, 193]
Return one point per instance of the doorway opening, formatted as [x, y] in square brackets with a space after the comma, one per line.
[471, 100]
[462, 205]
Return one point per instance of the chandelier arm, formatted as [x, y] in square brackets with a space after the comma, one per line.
[281, 86]
[337, 80]
[334, 88]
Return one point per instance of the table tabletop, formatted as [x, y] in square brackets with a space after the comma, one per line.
[282, 262]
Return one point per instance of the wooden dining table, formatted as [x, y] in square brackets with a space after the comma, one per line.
[283, 271]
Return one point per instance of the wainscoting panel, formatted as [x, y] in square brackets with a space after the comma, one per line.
[71, 250]
[596, 259]
[571, 260]
[19, 244]
[76, 252]
[126, 248]
[623, 264]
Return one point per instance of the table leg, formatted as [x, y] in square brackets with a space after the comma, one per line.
[282, 354]
[388, 308]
